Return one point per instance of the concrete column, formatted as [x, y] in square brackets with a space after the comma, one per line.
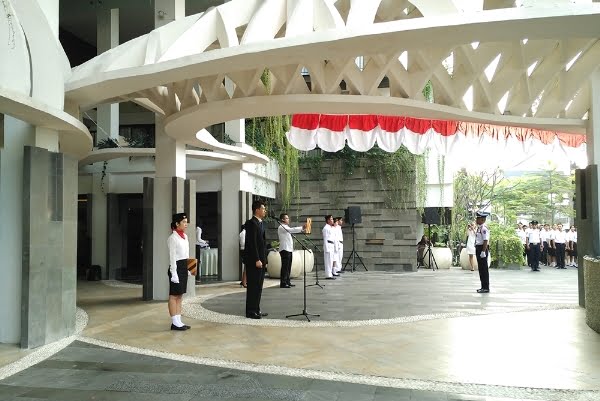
[230, 206]
[48, 282]
[50, 10]
[166, 11]
[17, 134]
[593, 129]
[235, 129]
[107, 31]
[588, 191]
[100, 187]
[46, 138]
[170, 162]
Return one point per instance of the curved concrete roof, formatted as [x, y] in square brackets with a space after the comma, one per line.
[101, 155]
[33, 70]
[542, 55]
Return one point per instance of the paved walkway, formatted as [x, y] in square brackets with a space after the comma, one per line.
[382, 336]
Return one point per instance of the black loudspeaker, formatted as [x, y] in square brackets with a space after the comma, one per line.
[436, 215]
[353, 215]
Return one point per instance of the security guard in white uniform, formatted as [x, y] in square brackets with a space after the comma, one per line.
[534, 244]
[482, 240]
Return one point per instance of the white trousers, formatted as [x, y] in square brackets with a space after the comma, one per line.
[329, 258]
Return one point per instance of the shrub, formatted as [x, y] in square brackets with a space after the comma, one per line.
[505, 246]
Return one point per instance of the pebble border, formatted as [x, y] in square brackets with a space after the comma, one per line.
[510, 393]
[46, 351]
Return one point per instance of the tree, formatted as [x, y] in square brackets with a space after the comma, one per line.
[472, 192]
[544, 195]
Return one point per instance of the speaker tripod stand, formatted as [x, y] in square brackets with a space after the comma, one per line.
[354, 254]
[429, 253]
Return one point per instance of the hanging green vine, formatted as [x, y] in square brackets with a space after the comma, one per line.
[267, 135]
[401, 176]
[441, 162]
[105, 144]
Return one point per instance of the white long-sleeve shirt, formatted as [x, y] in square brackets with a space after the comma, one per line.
[179, 248]
[243, 239]
[339, 238]
[199, 240]
[328, 239]
[286, 242]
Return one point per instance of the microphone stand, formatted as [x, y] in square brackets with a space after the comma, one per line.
[304, 313]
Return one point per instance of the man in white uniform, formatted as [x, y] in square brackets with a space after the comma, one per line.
[339, 221]
[560, 239]
[534, 246]
[286, 249]
[329, 248]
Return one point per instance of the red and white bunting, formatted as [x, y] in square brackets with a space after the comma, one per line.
[362, 132]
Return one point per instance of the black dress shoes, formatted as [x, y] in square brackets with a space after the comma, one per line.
[179, 328]
[291, 285]
[284, 286]
[335, 275]
[483, 291]
[329, 278]
[263, 314]
[253, 315]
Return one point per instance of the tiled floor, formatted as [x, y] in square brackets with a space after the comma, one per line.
[381, 336]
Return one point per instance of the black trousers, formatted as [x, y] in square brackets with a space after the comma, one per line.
[482, 265]
[286, 267]
[545, 260]
[255, 278]
[534, 256]
[560, 254]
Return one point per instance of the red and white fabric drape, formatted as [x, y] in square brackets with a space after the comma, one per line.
[362, 132]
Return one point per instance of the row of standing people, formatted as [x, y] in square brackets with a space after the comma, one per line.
[553, 247]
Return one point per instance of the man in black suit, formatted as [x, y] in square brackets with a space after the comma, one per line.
[255, 259]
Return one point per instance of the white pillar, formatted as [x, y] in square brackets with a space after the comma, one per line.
[230, 222]
[17, 134]
[44, 137]
[107, 37]
[50, 10]
[170, 162]
[593, 129]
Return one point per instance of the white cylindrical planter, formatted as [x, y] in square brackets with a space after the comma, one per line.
[274, 263]
[464, 260]
[442, 256]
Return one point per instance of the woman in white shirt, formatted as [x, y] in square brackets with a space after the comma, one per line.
[179, 252]
[244, 282]
[471, 245]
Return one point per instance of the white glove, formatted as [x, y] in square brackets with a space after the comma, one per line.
[189, 273]
[482, 255]
[174, 276]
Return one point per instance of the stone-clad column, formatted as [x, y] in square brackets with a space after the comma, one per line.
[17, 135]
[587, 191]
[49, 258]
[168, 195]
